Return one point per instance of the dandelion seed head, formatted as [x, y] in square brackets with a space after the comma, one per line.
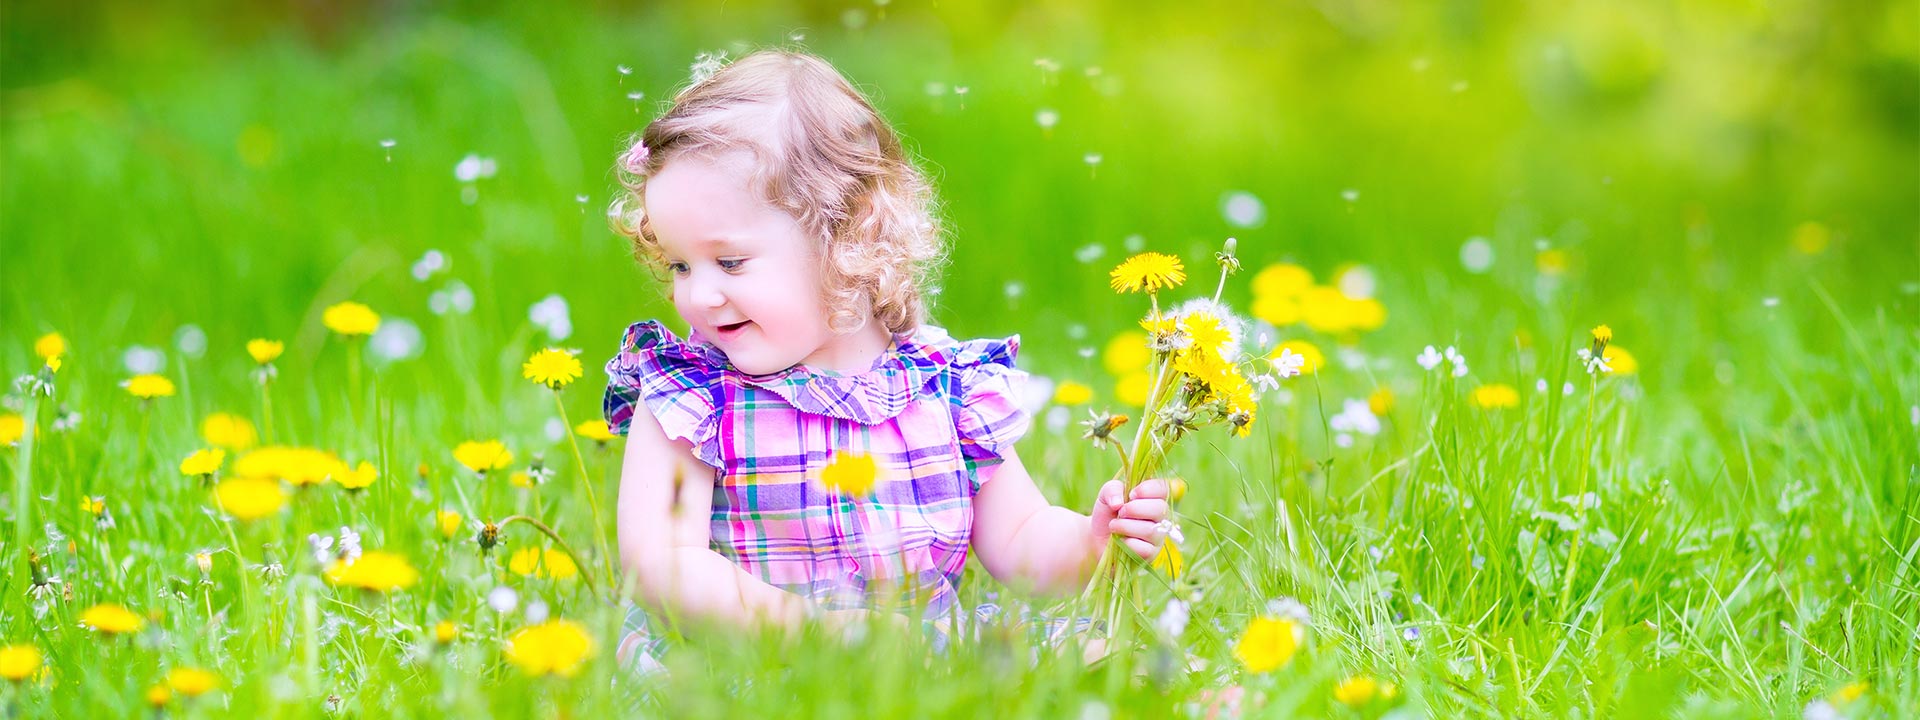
[1046, 118]
[397, 339]
[190, 340]
[389, 143]
[1242, 209]
[143, 360]
[1350, 195]
[1476, 255]
[430, 263]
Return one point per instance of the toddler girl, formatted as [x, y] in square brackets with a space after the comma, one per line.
[799, 239]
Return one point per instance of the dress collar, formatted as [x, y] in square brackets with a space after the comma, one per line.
[911, 364]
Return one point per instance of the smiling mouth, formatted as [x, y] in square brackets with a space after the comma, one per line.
[733, 327]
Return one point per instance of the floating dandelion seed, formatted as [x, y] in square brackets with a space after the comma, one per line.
[1090, 253]
[1046, 118]
[387, 145]
[624, 72]
[1350, 195]
[636, 96]
[1093, 163]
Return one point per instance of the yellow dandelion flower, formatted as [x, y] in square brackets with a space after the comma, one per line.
[447, 522]
[1602, 334]
[552, 367]
[1268, 644]
[1367, 314]
[350, 319]
[203, 462]
[1278, 311]
[192, 682]
[53, 363]
[1327, 310]
[297, 465]
[1849, 693]
[483, 455]
[1282, 280]
[1495, 396]
[148, 387]
[1380, 402]
[595, 430]
[1126, 352]
[111, 619]
[1207, 333]
[1150, 272]
[541, 563]
[1072, 393]
[520, 479]
[1811, 238]
[159, 695]
[1356, 691]
[850, 473]
[93, 505]
[50, 346]
[249, 498]
[19, 662]
[1169, 560]
[1551, 262]
[375, 570]
[1306, 350]
[12, 428]
[229, 431]
[359, 477]
[1620, 360]
[1176, 489]
[1133, 387]
[445, 632]
[265, 351]
[555, 647]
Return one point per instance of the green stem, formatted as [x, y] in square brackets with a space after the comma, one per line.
[23, 476]
[585, 570]
[586, 478]
[1580, 499]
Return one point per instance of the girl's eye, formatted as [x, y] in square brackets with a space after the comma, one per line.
[731, 265]
[677, 268]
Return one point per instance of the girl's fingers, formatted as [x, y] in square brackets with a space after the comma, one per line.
[1155, 510]
[1146, 550]
[1150, 489]
[1138, 529]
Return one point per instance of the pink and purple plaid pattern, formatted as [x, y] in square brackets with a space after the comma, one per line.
[933, 412]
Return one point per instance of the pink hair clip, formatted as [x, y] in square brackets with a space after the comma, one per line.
[636, 158]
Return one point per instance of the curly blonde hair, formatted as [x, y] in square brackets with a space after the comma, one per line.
[823, 155]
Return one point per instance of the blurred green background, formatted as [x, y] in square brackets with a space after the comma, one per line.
[223, 167]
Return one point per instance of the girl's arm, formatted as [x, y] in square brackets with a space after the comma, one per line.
[1035, 546]
[664, 535]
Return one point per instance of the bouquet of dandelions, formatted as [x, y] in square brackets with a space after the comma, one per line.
[1201, 377]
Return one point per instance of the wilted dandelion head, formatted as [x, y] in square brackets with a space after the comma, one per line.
[351, 319]
[817, 150]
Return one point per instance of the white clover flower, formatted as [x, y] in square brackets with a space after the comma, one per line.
[349, 544]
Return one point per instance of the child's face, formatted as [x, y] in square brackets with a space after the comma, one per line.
[744, 274]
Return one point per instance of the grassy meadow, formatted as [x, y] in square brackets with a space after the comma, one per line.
[1724, 525]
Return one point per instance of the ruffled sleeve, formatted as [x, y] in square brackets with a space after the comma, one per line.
[987, 412]
[678, 381]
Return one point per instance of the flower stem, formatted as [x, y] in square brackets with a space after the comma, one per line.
[1580, 499]
[586, 478]
[585, 570]
[23, 475]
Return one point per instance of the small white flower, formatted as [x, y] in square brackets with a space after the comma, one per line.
[349, 544]
[1595, 364]
[1821, 710]
[1173, 620]
[1540, 385]
[1429, 358]
[503, 599]
[536, 611]
[321, 546]
[1264, 382]
[1290, 609]
[474, 167]
[1288, 364]
[1355, 417]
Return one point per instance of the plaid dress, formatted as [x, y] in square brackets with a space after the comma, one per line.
[932, 412]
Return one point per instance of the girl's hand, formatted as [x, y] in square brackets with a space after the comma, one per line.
[1140, 521]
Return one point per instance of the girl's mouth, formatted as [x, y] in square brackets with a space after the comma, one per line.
[733, 330]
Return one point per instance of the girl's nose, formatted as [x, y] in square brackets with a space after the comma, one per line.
[708, 294]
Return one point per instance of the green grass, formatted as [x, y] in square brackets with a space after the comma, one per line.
[1757, 474]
